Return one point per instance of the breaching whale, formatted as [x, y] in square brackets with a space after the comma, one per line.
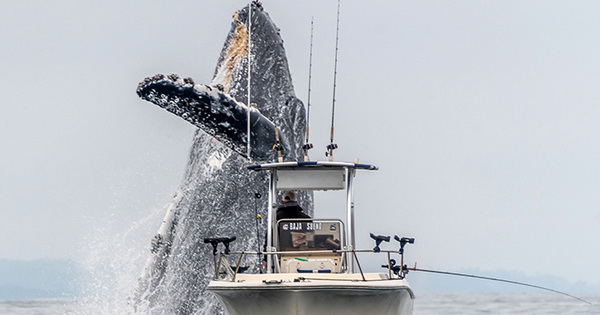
[218, 195]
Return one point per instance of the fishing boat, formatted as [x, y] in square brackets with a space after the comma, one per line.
[311, 265]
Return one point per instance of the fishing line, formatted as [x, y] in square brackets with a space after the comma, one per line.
[500, 280]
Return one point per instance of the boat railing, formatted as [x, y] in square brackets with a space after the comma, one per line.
[226, 272]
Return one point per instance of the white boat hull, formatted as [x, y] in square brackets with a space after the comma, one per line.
[314, 294]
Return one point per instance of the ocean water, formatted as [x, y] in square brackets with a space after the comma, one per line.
[425, 304]
[504, 303]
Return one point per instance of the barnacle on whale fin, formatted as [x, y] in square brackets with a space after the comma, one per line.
[216, 113]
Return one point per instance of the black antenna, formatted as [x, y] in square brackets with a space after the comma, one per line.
[332, 146]
[307, 145]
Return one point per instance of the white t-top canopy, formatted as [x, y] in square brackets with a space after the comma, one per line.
[310, 164]
[312, 175]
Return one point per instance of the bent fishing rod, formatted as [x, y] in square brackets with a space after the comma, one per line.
[402, 269]
[495, 279]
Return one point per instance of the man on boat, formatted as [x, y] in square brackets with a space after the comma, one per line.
[289, 208]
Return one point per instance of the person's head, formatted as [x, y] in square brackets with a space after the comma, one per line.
[288, 196]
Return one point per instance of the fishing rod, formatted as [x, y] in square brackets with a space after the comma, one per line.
[307, 145]
[258, 219]
[332, 146]
[496, 279]
[402, 269]
[249, 77]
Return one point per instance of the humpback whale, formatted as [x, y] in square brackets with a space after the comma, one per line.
[179, 268]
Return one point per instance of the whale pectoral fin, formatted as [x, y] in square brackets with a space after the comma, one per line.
[213, 111]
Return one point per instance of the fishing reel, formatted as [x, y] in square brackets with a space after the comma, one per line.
[257, 195]
[307, 146]
[330, 148]
[399, 271]
[277, 147]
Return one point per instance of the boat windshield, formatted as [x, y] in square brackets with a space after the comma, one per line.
[306, 245]
[308, 234]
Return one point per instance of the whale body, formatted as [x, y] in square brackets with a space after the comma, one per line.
[218, 195]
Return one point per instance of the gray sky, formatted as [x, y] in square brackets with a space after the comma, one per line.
[482, 116]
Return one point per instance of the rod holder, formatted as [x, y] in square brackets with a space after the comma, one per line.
[403, 241]
[378, 239]
[214, 241]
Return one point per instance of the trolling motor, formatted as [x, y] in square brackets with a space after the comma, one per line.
[378, 239]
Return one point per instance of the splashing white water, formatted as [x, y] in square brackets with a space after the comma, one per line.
[113, 263]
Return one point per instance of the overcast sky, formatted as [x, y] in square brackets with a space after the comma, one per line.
[483, 117]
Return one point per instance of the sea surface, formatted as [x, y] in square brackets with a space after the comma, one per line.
[425, 304]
